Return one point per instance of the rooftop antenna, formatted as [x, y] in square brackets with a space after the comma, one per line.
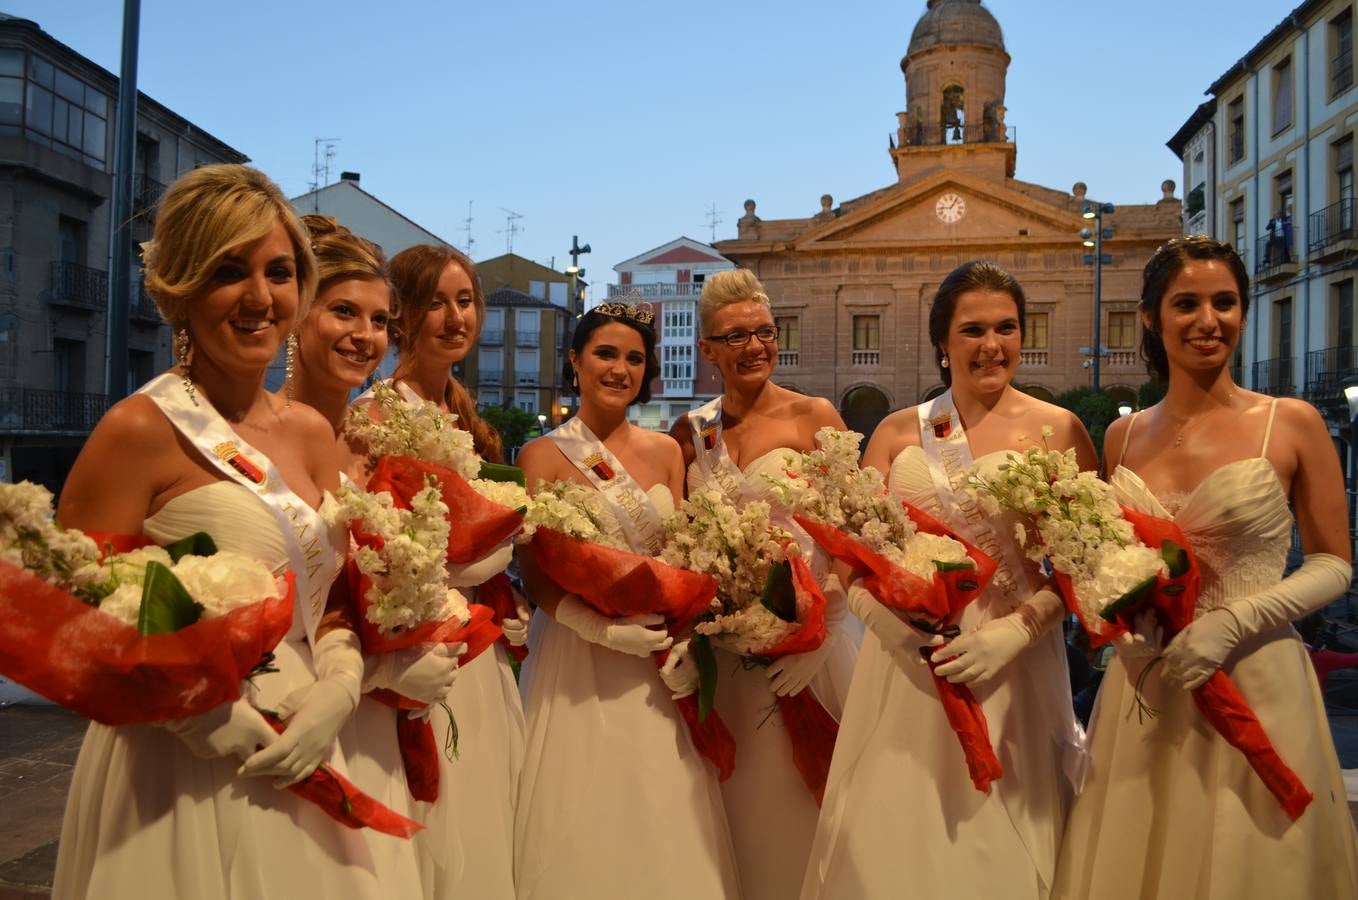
[467, 227]
[713, 220]
[512, 227]
[320, 167]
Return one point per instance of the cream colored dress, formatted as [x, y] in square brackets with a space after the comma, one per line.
[901, 817]
[1171, 809]
[771, 810]
[615, 803]
[145, 818]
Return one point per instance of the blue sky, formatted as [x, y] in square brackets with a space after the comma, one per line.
[625, 123]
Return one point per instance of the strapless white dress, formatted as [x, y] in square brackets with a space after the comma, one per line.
[1171, 809]
[771, 810]
[901, 817]
[145, 818]
[615, 802]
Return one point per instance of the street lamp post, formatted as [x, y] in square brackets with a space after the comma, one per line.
[1350, 385]
[1094, 240]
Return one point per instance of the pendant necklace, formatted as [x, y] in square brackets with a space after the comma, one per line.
[1189, 423]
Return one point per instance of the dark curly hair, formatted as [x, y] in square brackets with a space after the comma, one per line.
[977, 275]
[1167, 261]
[591, 322]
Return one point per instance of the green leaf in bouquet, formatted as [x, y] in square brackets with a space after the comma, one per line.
[778, 595]
[1175, 557]
[1109, 612]
[700, 648]
[199, 543]
[499, 472]
[965, 584]
[166, 605]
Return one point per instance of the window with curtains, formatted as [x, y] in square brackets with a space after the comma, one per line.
[1121, 330]
[1283, 91]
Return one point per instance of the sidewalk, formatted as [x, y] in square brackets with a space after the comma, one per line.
[38, 746]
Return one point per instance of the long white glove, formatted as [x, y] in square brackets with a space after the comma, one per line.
[979, 655]
[790, 674]
[680, 672]
[482, 570]
[631, 634]
[425, 674]
[516, 627]
[315, 712]
[232, 729]
[1146, 638]
[1203, 647]
[898, 637]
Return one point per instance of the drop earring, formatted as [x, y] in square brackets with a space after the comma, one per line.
[944, 361]
[290, 368]
[181, 358]
[575, 379]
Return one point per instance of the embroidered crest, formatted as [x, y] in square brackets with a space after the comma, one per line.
[709, 436]
[595, 463]
[227, 453]
[941, 425]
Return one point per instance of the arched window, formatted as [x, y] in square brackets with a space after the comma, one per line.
[952, 117]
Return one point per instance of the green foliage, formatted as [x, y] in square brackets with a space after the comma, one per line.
[1096, 411]
[166, 606]
[1151, 393]
[515, 425]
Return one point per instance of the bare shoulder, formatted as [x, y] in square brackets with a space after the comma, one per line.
[658, 442]
[133, 427]
[1301, 418]
[537, 453]
[306, 424]
[682, 431]
[900, 426]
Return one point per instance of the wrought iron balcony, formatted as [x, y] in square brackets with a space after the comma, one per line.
[78, 286]
[141, 307]
[492, 337]
[525, 338]
[490, 378]
[1275, 376]
[659, 291]
[1275, 256]
[32, 411]
[1326, 371]
[1332, 231]
[523, 378]
[146, 192]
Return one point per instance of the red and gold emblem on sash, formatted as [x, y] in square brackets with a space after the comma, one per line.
[227, 453]
[595, 463]
[942, 425]
[709, 436]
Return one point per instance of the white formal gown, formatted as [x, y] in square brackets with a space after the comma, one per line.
[615, 803]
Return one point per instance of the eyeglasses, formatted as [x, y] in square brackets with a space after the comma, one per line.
[737, 339]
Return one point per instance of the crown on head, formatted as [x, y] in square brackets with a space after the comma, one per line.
[628, 306]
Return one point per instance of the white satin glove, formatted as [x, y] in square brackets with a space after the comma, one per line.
[898, 637]
[516, 628]
[979, 655]
[789, 674]
[231, 729]
[1144, 640]
[632, 635]
[680, 672]
[1203, 647]
[314, 713]
[484, 569]
[425, 674]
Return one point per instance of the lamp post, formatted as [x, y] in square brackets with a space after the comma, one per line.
[575, 305]
[1124, 409]
[1350, 385]
[542, 423]
[1093, 238]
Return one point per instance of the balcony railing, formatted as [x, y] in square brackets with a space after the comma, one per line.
[1275, 255]
[1034, 357]
[491, 378]
[867, 357]
[920, 134]
[654, 291]
[492, 336]
[1331, 227]
[1122, 358]
[79, 286]
[146, 192]
[1275, 376]
[526, 378]
[33, 411]
[527, 338]
[140, 305]
[677, 387]
[1326, 371]
[789, 358]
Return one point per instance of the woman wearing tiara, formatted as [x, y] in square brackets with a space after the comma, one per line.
[615, 801]
[728, 443]
[161, 811]
[1171, 809]
[467, 848]
[901, 814]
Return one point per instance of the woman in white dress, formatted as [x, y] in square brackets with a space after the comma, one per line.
[615, 800]
[901, 814]
[467, 847]
[339, 344]
[162, 811]
[1171, 809]
[727, 444]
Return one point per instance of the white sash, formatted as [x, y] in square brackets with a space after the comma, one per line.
[945, 445]
[713, 461]
[304, 531]
[634, 510]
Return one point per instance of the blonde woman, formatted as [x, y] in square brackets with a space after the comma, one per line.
[162, 811]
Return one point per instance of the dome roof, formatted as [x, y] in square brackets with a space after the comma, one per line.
[956, 22]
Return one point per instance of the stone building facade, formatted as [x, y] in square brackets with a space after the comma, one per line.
[854, 281]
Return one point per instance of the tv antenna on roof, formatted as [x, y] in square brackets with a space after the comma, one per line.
[320, 167]
[512, 227]
[467, 227]
[713, 220]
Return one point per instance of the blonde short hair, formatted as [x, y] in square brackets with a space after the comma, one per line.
[207, 214]
[725, 288]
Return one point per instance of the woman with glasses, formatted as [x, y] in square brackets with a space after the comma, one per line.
[727, 444]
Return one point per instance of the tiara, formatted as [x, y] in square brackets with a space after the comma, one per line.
[641, 312]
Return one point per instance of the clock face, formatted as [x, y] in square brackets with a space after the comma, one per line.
[950, 208]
